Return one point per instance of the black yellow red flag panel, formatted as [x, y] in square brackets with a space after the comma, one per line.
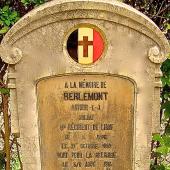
[85, 45]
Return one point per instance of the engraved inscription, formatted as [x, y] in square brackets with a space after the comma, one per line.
[86, 122]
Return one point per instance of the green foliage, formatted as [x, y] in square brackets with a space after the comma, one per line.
[166, 107]
[160, 167]
[8, 17]
[161, 143]
[15, 163]
[4, 91]
[161, 152]
[34, 2]
[166, 76]
[167, 25]
[164, 142]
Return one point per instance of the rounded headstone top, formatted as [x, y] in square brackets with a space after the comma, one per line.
[44, 15]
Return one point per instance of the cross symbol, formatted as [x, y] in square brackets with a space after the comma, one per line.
[85, 43]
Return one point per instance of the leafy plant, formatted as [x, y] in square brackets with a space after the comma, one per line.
[15, 162]
[161, 152]
[4, 90]
[8, 17]
[34, 2]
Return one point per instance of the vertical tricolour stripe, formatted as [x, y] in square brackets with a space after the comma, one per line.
[72, 45]
[98, 45]
[85, 33]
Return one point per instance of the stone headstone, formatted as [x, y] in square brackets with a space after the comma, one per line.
[84, 79]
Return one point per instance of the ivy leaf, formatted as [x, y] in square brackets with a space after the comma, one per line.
[169, 53]
[4, 30]
[167, 132]
[167, 114]
[168, 26]
[16, 19]
[157, 137]
[166, 95]
[5, 8]
[161, 167]
[163, 150]
[4, 90]
[2, 18]
[1, 22]
[158, 167]
[5, 14]
[168, 81]
[8, 22]
[163, 79]
[13, 15]
[26, 2]
[166, 106]
[167, 167]
[166, 140]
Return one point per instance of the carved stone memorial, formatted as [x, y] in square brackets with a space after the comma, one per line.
[84, 80]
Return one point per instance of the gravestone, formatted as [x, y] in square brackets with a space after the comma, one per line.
[84, 79]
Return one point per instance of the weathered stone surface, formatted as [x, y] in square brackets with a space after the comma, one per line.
[42, 37]
[86, 122]
[10, 55]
